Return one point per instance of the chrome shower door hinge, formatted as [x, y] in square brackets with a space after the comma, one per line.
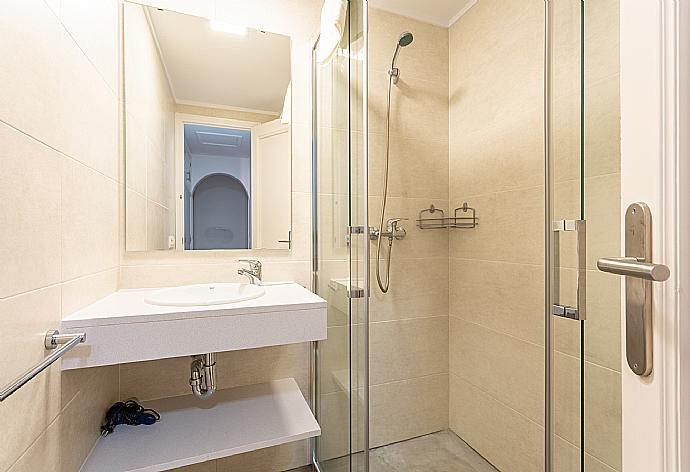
[355, 230]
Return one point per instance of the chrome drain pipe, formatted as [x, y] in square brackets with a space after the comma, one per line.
[203, 376]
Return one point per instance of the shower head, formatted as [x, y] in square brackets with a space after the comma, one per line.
[405, 40]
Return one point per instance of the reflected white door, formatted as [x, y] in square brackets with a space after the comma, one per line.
[271, 185]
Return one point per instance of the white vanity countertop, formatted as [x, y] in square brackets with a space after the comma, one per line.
[122, 327]
[128, 306]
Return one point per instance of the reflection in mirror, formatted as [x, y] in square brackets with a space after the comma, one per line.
[207, 133]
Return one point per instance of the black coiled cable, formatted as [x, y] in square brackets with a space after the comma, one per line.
[129, 413]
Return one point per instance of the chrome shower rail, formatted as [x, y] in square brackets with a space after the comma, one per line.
[52, 340]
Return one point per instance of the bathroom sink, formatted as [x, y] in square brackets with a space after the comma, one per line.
[204, 294]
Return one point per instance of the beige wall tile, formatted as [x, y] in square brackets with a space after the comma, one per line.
[418, 166]
[502, 155]
[44, 453]
[156, 226]
[89, 221]
[510, 228]
[603, 325]
[93, 25]
[30, 191]
[405, 349]
[603, 424]
[179, 273]
[135, 221]
[83, 414]
[79, 293]
[603, 428]
[419, 287]
[426, 58]
[509, 440]
[418, 107]
[503, 297]
[136, 149]
[233, 369]
[510, 370]
[410, 408]
[26, 414]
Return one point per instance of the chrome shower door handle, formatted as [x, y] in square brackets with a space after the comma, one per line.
[639, 273]
[579, 311]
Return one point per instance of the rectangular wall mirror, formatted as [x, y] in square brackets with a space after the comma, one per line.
[207, 133]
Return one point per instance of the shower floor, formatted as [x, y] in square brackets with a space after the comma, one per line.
[438, 452]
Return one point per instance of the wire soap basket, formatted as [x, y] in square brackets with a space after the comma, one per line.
[463, 217]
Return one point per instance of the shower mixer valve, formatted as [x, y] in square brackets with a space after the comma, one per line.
[393, 230]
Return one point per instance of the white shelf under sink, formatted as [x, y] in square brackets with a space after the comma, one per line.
[122, 327]
[191, 431]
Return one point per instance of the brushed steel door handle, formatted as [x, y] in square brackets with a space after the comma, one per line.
[640, 273]
[634, 267]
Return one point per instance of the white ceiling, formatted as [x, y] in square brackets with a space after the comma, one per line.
[437, 12]
[217, 68]
[214, 141]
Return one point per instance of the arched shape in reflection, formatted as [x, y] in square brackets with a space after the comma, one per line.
[220, 213]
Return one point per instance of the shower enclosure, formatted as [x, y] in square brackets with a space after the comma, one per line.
[496, 345]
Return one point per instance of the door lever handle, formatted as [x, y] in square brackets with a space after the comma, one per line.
[634, 267]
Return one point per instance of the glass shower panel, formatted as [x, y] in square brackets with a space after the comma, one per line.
[585, 156]
[601, 347]
[567, 234]
[338, 211]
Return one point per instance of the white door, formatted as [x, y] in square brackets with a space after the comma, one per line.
[654, 163]
[271, 185]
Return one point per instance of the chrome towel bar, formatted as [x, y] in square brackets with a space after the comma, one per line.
[52, 339]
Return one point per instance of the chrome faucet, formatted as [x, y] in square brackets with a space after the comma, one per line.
[393, 230]
[253, 273]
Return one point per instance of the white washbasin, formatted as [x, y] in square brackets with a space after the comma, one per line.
[205, 294]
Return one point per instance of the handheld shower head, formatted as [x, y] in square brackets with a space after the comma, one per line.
[405, 40]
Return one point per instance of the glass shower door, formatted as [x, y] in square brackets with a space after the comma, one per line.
[583, 207]
[339, 250]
